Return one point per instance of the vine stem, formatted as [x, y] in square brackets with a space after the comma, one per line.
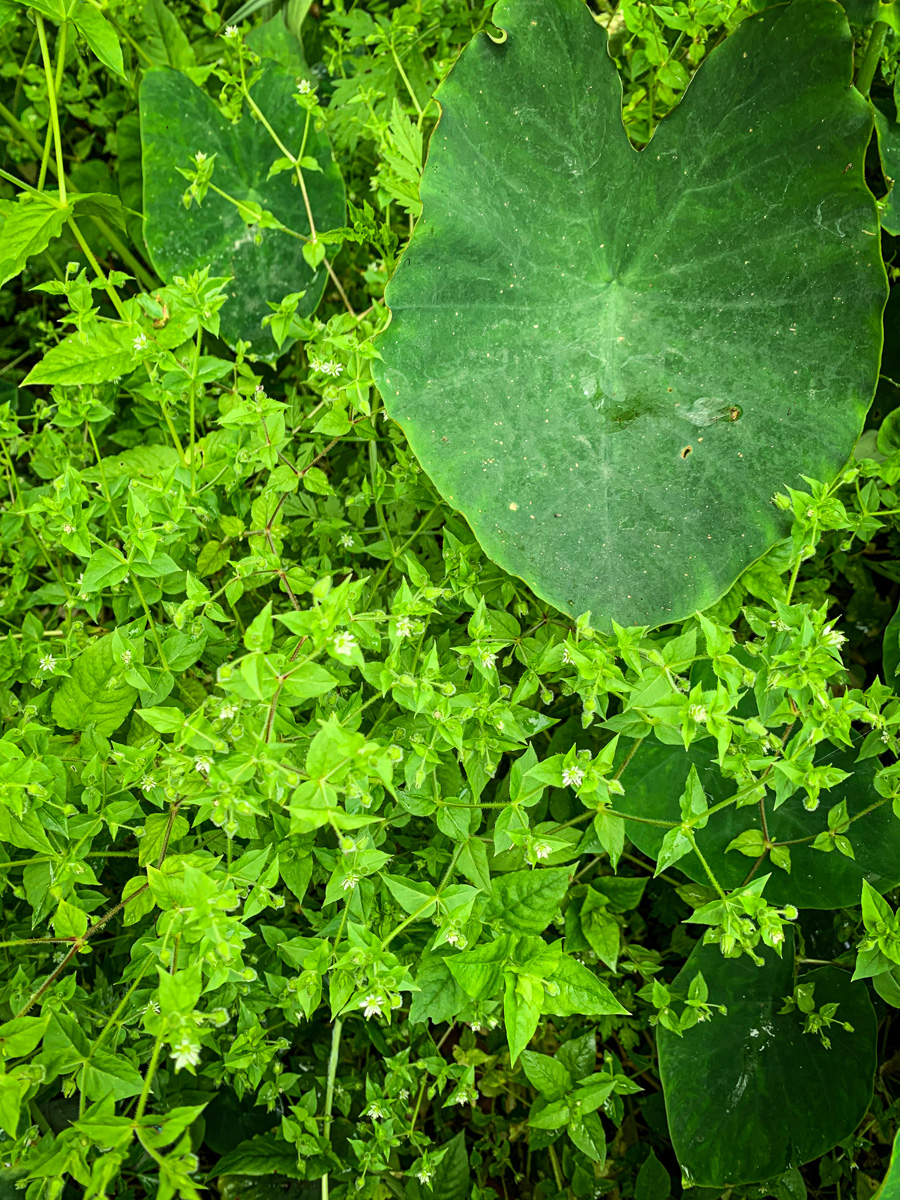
[89, 255]
[329, 1089]
[692, 838]
[313, 236]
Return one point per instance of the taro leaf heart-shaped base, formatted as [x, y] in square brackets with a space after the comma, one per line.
[609, 361]
[655, 778]
[749, 1095]
[177, 120]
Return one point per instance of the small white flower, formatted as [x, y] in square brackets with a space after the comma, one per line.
[350, 880]
[465, 1095]
[453, 937]
[147, 783]
[572, 777]
[567, 657]
[426, 1174]
[372, 1005]
[202, 764]
[344, 644]
[698, 713]
[541, 850]
[404, 627]
[67, 528]
[199, 157]
[488, 660]
[126, 658]
[376, 1112]
[227, 711]
[347, 540]
[140, 343]
[48, 663]
[332, 368]
[187, 1054]
[316, 364]
[831, 637]
[305, 88]
[231, 31]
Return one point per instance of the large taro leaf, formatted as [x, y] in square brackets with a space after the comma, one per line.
[177, 121]
[610, 360]
[655, 779]
[749, 1094]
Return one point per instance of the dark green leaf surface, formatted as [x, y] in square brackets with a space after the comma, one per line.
[609, 361]
[891, 650]
[177, 121]
[768, 1091]
[655, 779]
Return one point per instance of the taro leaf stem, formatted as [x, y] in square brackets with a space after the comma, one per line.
[874, 46]
[329, 1089]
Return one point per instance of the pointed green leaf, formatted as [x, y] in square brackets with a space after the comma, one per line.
[527, 901]
[29, 227]
[94, 692]
[100, 36]
[609, 361]
[107, 354]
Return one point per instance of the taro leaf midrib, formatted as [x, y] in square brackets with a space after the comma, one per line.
[557, 424]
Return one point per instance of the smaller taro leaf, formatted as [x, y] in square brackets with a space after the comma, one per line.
[622, 460]
[655, 778]
[732, 1083]
[177, 121]
[890, 656]
[94, 692]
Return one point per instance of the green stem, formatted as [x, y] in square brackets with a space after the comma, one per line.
[98, 271]
[149, 615]
[193, 395]
[103, 482]
[407, 84]
[691, 837]
[329, 1089]
[151, 1071]
[867, 67]
[54, 111]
